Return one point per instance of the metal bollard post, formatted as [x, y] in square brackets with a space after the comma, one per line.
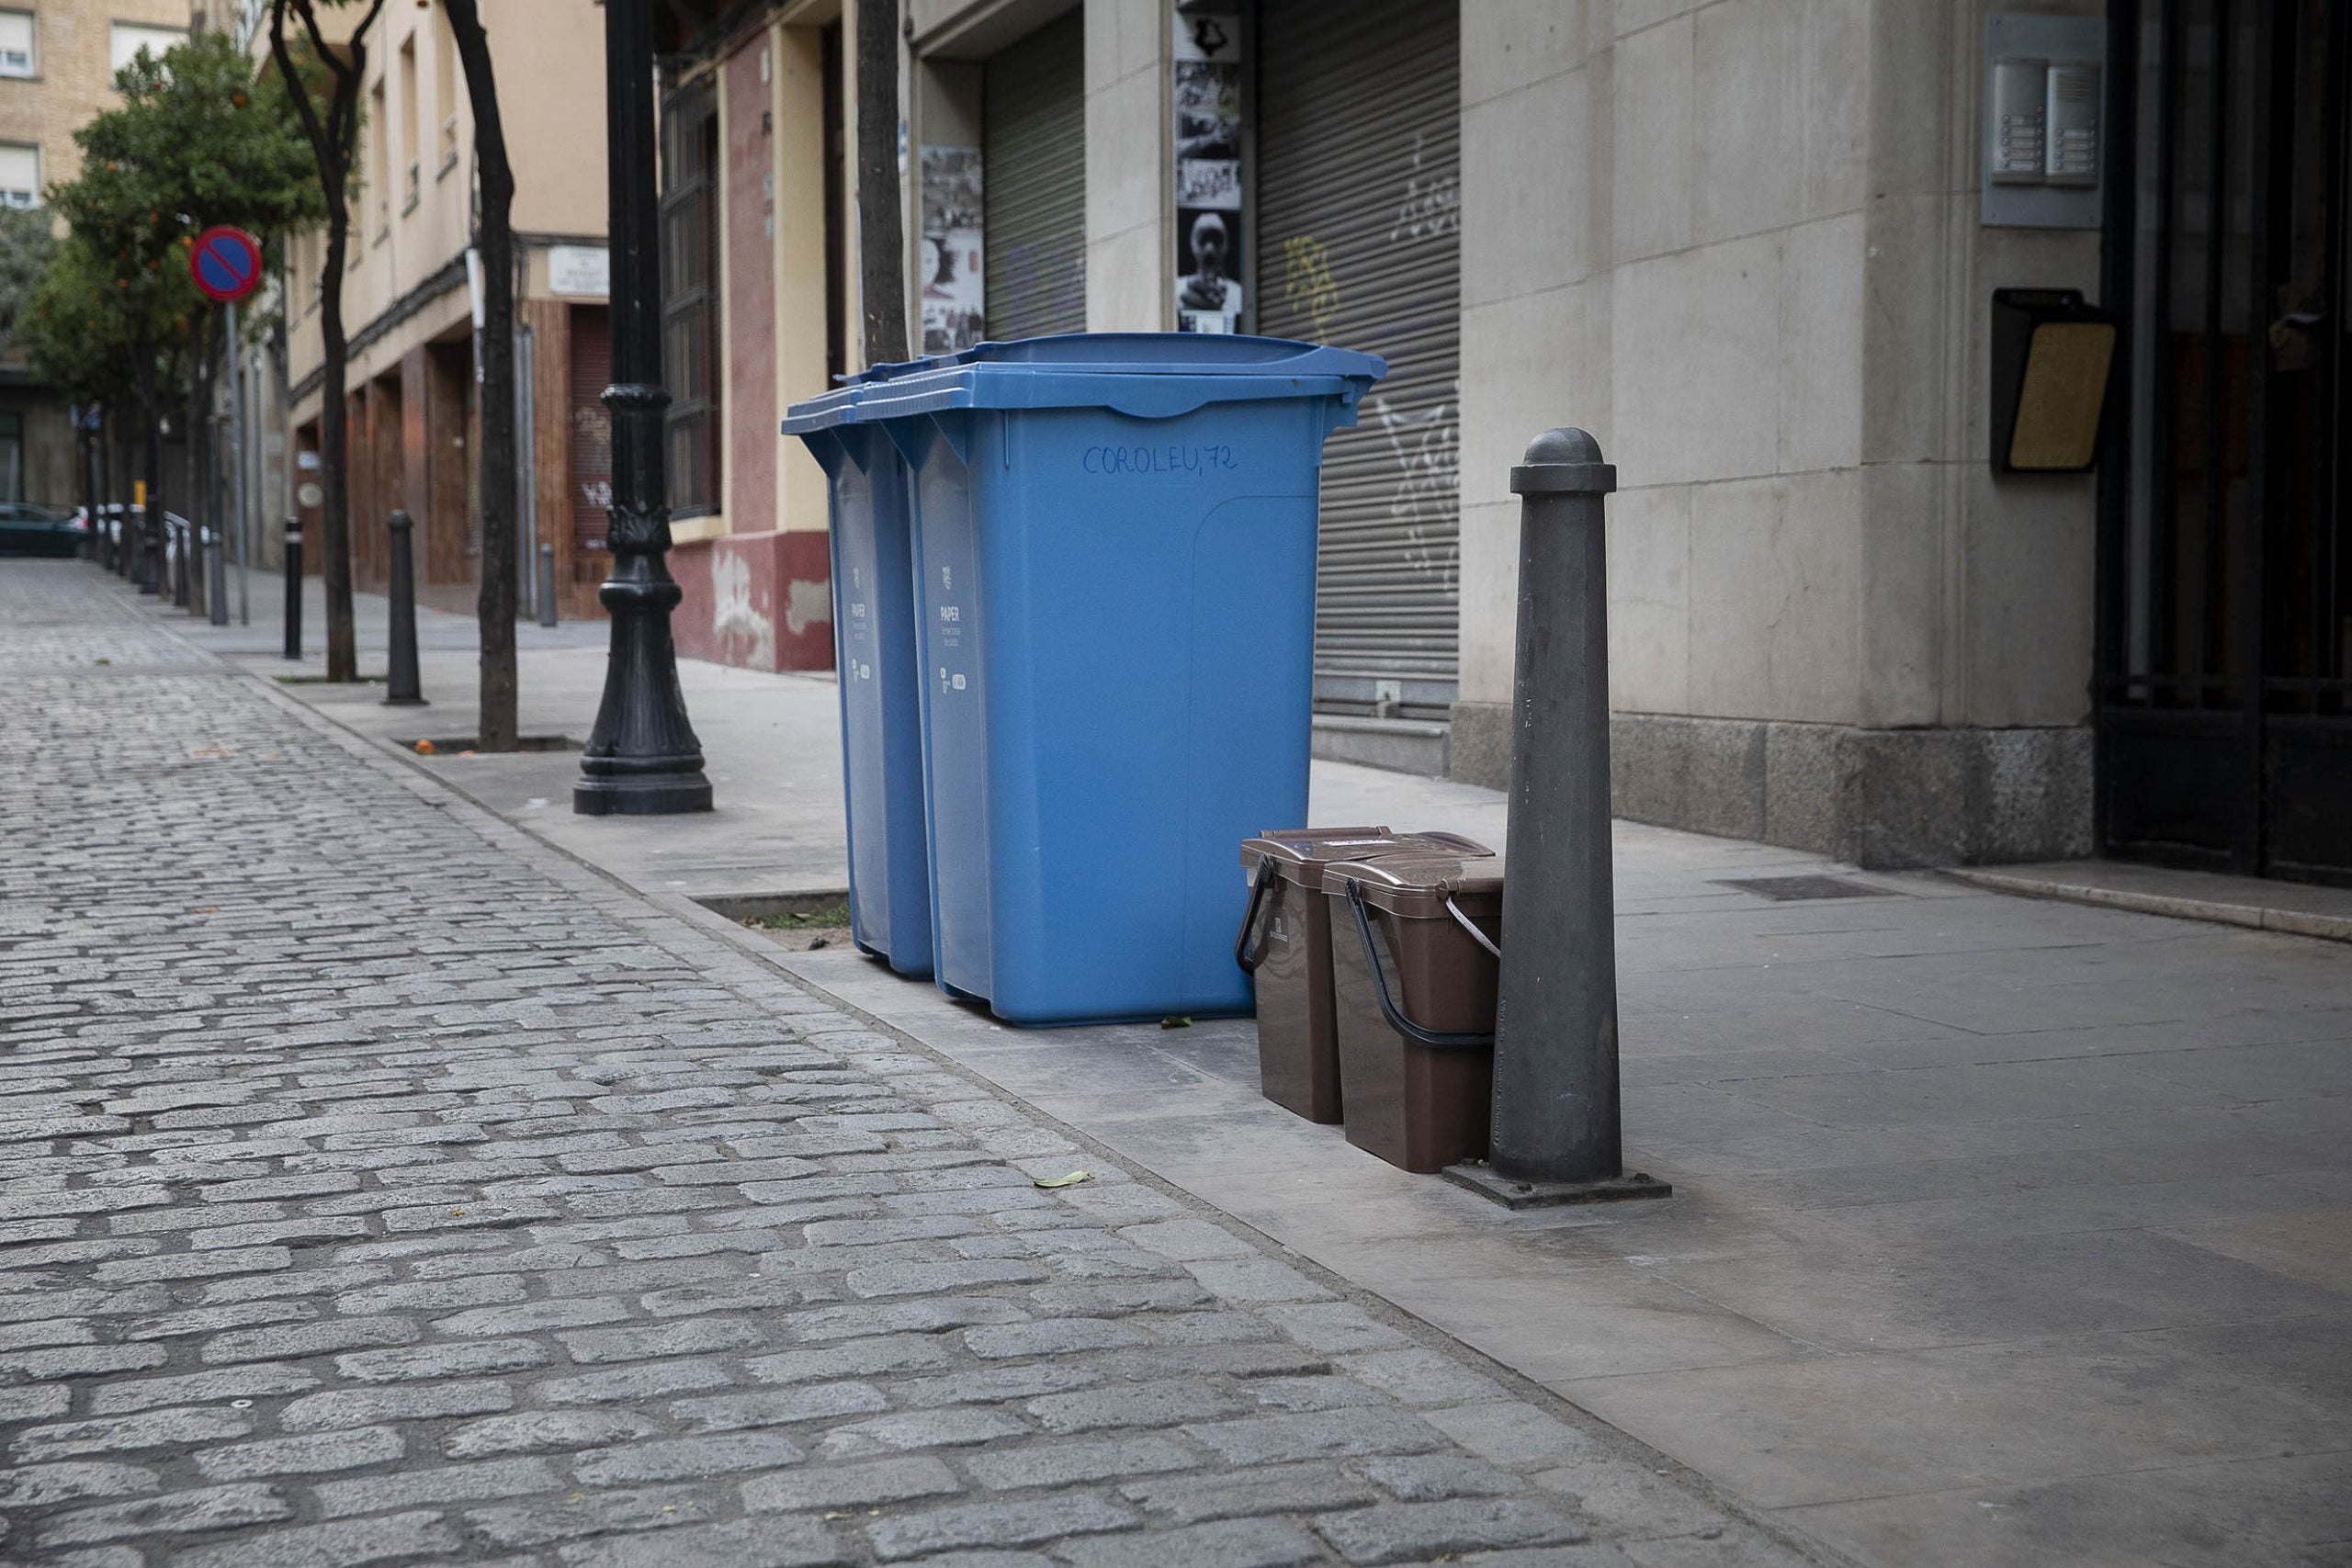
[293, 589]
[547, 585]
[216, 581]
[401, 688]
[179, 564]
[1555, 1135]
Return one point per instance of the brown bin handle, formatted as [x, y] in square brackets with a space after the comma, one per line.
[1246, 953]
[1429, 1039]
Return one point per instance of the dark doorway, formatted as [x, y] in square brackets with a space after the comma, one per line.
[2225, 691]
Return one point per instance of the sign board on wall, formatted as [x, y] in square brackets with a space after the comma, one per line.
[1207, 100]
[581, 272]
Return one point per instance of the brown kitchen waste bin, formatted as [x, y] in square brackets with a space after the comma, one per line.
[1285, 943]
[1413, 998]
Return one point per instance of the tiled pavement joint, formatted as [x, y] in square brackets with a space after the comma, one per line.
[381, 1185]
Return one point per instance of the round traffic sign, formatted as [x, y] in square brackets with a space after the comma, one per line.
[225, 262]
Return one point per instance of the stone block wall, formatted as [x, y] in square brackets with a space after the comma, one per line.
[1739, 241]
[1884, 798]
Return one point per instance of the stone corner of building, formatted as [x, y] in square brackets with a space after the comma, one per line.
[1478, 749]
[1879, 798]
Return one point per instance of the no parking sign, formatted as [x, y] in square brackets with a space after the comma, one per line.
[225, 262]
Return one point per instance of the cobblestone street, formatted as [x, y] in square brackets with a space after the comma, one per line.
[380, 1187]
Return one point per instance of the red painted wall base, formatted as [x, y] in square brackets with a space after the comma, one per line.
[756, 601]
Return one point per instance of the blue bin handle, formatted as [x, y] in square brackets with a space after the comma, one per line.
[1153, 398]
[1429, 1039]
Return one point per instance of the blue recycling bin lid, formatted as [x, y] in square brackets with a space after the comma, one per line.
[828, 408]
[1157, 396]
[1072, 370]
[1170, 354]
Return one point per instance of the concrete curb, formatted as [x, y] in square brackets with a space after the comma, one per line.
[2182, 906]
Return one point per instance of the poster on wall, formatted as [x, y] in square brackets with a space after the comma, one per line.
[1207, 99]
[955, 297]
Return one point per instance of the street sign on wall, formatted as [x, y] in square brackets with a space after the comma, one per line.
[225, 262]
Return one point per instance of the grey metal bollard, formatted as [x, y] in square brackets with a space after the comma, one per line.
[293, 589]
[547, 585]
[1555, 1137]
[216, 581]
[401, 688]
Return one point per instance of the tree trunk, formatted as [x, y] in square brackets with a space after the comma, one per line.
[112, 466]
[153, 575]
[118, 482]
[335, 445]
[495, 608]
[881, 233]
[334, 141]
[85, 448]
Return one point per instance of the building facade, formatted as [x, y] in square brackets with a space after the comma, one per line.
[58, 59]
[407, 306]
[1884, 582]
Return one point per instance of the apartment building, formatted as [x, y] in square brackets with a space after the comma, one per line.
[408, 304]
[58, 60]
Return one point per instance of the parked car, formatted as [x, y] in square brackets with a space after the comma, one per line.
[114, 516]
[29, 530]
[176, 532]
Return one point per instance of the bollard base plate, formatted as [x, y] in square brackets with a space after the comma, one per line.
[1511, 1193]
[405, 703]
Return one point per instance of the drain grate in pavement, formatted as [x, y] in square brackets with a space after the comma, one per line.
[1787, 889]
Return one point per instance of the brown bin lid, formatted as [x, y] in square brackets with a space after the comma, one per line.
[1302, 853]
[1417, 887]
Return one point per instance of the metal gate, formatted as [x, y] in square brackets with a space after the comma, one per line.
[1360, 243]
[1032, 164]
[2225, 649]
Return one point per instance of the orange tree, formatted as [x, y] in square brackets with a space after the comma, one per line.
[197, 140]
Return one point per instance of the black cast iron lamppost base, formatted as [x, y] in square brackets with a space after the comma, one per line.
[643, 759]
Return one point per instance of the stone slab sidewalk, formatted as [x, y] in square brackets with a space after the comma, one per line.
[377, 1186]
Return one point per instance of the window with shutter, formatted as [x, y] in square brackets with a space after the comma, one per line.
[16, 43]
[19, 174]
[128, 38]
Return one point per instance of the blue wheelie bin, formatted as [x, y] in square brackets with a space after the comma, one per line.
[874, 654]
[1115, 546]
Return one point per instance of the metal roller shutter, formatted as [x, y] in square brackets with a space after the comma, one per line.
[1032, 109]
[592, 426]
[1359, 154]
